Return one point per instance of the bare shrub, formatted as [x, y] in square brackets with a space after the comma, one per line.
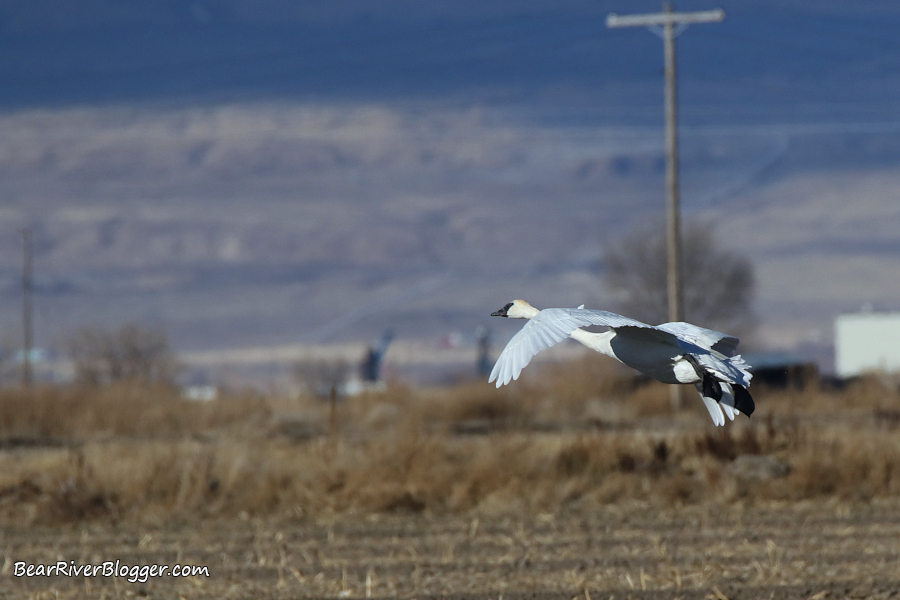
[717, 283]
[131, 352]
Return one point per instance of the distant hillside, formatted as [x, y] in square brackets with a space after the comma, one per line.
[270, 224]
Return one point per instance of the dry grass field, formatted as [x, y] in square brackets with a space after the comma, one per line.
[574, 482]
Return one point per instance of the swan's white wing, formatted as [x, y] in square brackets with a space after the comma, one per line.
[547, 328]
[705, 338]
[627, 328]
[604, 318]
[552, 325]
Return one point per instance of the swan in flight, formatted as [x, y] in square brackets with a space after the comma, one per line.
[671, 352]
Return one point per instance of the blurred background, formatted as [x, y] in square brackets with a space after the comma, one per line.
[274, 182]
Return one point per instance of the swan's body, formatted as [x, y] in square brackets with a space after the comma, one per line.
[672, 352]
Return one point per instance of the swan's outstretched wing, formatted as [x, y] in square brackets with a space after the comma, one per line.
[604, 318]
[707, 339]
[548, 328]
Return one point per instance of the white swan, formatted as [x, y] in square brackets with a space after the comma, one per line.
[671, 352]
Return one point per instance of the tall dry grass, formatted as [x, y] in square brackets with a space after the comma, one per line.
[570, 437]
[67, 414]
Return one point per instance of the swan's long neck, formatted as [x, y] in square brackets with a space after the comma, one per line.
[526, 311]
[596, 341]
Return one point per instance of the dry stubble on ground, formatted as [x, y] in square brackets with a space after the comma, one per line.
[811, 550]
[542, 492]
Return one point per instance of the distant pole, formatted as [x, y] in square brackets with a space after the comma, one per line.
[27, 312]
[671, 24]
[483, 340]
[673, 188]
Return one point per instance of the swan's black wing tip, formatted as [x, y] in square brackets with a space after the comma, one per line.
[742, 400]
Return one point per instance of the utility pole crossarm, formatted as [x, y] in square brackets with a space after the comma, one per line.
[665, 18]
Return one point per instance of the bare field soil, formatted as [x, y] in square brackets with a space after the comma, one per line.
[575, 482]
[806, 550]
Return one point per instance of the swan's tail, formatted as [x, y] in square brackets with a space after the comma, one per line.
[723, 386]
[733, 399]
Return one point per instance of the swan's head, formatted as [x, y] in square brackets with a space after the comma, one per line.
[517, 309]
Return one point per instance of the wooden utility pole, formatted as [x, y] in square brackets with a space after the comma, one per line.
[671, 24]
[27, 312]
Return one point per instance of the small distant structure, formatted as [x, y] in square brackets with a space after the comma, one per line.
[866, 342]
[196, 387]
[370, 370]
[200, 393]
[483, 342]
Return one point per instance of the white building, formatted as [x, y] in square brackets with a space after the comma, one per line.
[867, 341]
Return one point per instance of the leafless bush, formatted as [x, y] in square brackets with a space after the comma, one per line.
[718, 283]
[129, 353]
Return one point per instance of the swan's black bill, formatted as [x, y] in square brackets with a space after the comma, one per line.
[502, 311]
